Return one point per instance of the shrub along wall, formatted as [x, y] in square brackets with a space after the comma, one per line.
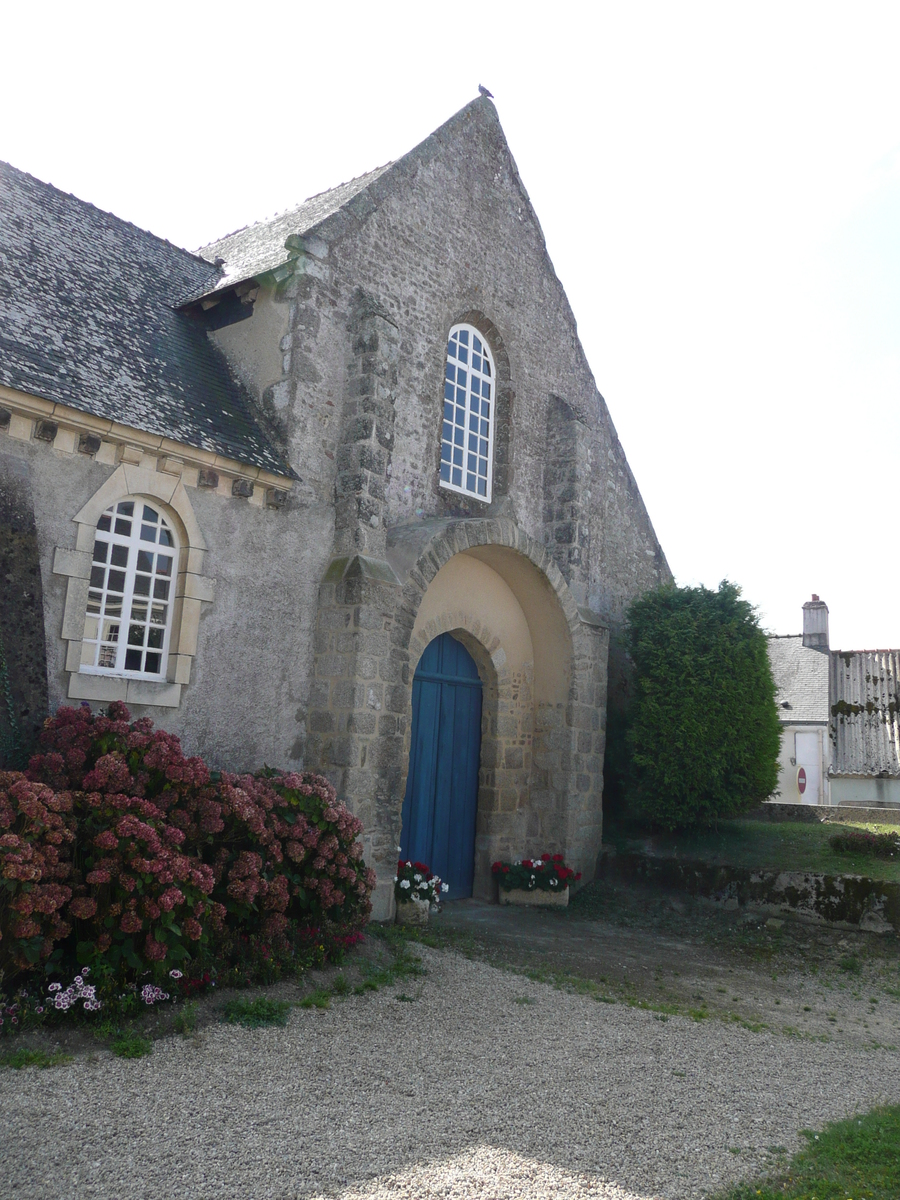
[704, 735]
[116, 846]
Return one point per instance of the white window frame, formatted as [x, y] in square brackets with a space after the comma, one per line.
[155, 538]
[462, 397]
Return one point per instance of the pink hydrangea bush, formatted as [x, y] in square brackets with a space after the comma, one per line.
[287, 850]
[137, 894]
[118, 846]
[37, 833]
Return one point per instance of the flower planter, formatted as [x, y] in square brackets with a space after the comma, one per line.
[413, 912]
[535, 897]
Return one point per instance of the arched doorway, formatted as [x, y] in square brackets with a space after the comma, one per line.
[441, 800]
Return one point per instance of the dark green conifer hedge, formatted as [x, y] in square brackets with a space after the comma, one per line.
[704, 733]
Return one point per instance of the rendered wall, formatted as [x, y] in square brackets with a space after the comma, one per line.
[865, 792]
[246, 701]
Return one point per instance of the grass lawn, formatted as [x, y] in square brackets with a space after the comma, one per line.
[782, 845]
[856, 1159]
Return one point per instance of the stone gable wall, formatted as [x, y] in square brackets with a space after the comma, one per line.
[446, 236]
[305, 655]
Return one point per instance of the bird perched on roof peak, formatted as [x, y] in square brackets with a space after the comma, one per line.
[485, 92]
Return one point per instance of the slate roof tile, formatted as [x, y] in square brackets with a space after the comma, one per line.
[86, 320]
[801, 681]
[259, 248]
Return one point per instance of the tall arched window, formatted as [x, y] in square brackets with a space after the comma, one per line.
[467, 441]
[129, 610]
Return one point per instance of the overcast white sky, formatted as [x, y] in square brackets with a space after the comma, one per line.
[718, 183]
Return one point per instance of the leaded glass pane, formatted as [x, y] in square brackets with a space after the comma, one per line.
[468, 422]
[123, 577]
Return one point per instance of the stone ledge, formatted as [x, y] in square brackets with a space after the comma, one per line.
[844, 901]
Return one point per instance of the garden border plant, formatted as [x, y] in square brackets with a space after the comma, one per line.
[548, 873]
[861, 841]
[124, 858]
[415, 881]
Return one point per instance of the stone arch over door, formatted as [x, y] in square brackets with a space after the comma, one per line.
[543, 664]
[541, 658]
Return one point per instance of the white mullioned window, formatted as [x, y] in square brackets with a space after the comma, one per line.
[467, 440]
[129, 611]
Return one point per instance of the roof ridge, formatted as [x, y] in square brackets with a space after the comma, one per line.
[871, 650]
[105, 212]
[285, 212]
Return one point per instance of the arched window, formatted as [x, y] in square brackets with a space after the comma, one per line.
[129, 608]
[467, 441]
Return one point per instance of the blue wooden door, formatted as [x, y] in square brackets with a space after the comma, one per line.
[442, 787]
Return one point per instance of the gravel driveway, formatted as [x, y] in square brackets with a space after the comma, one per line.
[487, 1085]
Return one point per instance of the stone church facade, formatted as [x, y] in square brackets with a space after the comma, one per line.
[245, 490]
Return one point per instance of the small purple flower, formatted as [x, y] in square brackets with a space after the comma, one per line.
[38, 1009]
[85, 970]
[176, 974]
[54, 987]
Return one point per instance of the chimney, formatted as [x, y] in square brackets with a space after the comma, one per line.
[815, 624]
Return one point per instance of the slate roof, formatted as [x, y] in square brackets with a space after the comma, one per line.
[258, 248]
[801, 680]
[865, 712]
[86, 320]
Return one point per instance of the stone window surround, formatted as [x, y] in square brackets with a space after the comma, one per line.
[462, 504]
[192, 589]
[121, 581]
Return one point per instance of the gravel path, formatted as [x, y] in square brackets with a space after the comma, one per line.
[488, 1085]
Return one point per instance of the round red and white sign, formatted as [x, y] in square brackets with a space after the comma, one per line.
[801, 781]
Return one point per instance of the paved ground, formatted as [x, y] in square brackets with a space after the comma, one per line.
[467, 1082]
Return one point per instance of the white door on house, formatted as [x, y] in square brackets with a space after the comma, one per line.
[808, 754]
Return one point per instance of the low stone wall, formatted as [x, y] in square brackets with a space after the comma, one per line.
[847, 901]
[824, 812]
